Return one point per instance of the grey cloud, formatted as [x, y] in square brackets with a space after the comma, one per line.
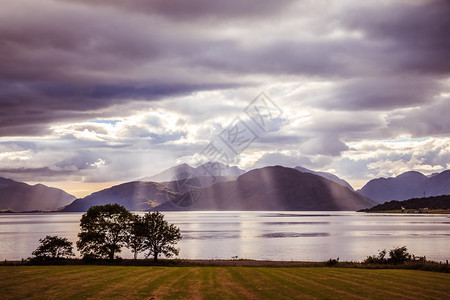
[19, 145]
[97, 58]
[32, 174]
[381, 93]
[277, 57]
[428, 121]
[196, 9]
[323, 145]
[415, 34]
[355, 169]
[352, 125]
[270, 159]
[163, 138]
[71, 61]
[84, 159]
[31, 114]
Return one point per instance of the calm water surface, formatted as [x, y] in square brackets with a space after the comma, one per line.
[305, 236]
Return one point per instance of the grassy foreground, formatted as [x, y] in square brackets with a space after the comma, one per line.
[75, 282]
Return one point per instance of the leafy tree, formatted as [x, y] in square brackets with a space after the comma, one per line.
[54, 247]
[136, 235]
[160, 236]
[103, 231]
[399, 255]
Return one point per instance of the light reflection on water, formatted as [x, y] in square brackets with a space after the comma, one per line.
[306, 236]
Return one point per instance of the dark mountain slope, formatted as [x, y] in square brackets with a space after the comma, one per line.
[134, 195]
[277, 188]
[326, 175]
[19, 196]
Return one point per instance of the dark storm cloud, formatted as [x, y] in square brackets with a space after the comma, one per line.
[27, 108]
[87, 62]
[381, 93]
[31, 173]
[278, 57]
[196, 9]
[415, 34]
[67, 60]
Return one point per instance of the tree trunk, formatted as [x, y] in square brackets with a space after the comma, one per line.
[111, 255]
[135, 254]
[155, 254]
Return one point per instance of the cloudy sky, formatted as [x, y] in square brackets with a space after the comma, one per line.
[97, 92]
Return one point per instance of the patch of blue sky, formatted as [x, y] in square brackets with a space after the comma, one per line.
[105, 121]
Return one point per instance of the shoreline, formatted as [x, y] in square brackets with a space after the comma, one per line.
[437, 266]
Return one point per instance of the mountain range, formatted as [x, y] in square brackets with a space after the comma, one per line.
[406, 186]
[275, 188]
[19, 196]
[230, 188]
[269, 188]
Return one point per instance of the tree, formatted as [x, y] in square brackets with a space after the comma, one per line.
[54, 247]
[399, 255]
[103, 231]
[160, 236]
[136, 235]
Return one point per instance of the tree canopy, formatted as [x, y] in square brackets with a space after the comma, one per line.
[54, 247]
[136, 235]
[160, 236]
[104, 231]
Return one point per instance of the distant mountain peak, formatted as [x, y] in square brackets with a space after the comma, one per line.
[20, 196]
[184, 170]
[326, 175]
[411, 184]
[411, 174]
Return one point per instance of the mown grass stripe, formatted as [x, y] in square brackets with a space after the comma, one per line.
[400, 285]
[232, 288]
[363, 288]
[179, 287]
[134, 282]
[319, 289]
[254, 281]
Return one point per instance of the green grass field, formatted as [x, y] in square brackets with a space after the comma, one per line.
[109, 282]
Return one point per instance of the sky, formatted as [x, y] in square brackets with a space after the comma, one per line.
[96, 92]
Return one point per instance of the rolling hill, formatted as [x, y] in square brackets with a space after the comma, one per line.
[436, 202]
[19, 196]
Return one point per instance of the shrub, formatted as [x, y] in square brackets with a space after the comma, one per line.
[397, 255]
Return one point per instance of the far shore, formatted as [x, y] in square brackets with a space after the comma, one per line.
[412, 211]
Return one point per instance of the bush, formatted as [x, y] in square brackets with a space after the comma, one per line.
[332, 262]
[397, 255]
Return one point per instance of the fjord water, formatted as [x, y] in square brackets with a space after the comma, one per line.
[304, 236]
